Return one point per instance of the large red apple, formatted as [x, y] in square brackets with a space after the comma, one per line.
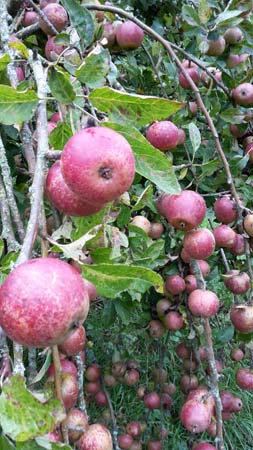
[195, 416]
[237, 282]
[97, 437]
[63, 198]
[203, 303]
[242, 318]
[163, 135]
[200, 244]
[98, 164]
[185, 211]
[42, 301]
[129, 35]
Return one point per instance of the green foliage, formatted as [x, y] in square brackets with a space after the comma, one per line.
[16, 106]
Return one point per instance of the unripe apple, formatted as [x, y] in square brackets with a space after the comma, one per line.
[173, 321]
[188, 382]
[234, 60]
[200, 244]
[175, 284]
[156, 329]
[239, 245]
[183, 351]
[163, 135]
[75, 343]
[52, 51]
[101, 399]
[97, 437]
[129, 35]
[30, 17]
[92, 387]
[193, 74]
[237, 282]
[131, 377]
[66, 366]
[152, 400]
[133, 428]
[63, 198]
[186, 210]
[163, 307]
[69, 389]
[57, 15]
[204, 446]
[244, 379]
[75, 419]
[93, 372]
[236, 354]
[216, 47]
[243, 94]
[98, 163]
[233, 35]
[195, 416]
[224, 236]
[48, 311]
[156, 230]
[203, 303]
[141, 222]
[190, 283]
[125, 441]
[109, 34]
[154, 445]
[242, 318]
[225, 210]
[248, 224]
[203, 267]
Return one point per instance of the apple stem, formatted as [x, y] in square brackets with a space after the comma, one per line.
[80, 371]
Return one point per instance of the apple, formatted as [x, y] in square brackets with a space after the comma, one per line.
[159, 375]
[236, 354]
[133, 428]
[182, 137]
[57, 15]
[92, 372]
[101, 399]
[234, 60]
[183, 351]
[236, 404]
[212, 429]
[125, 441]
[193, 74]
[30, 18]
[224, 236]
[163, 135]
[154, 445]
[203, 303]
[55, 116]
[131, 377]
[109, 34]
[243, 94]
[200, 244]
[156, 329]
[92, 291]
[188, 382]
[204, 396]
[136, 445]
[50, 298]
[242, 317]
[75, 343]
[233, 35]
[52, 51]
[216, 46]
[193, 107]
[110, 380]
[175, 284]
[236, 133]
[207, 80]
[225, 210]
[244, 379]
[44, 3]
[203, 267]
[169, 388]
[195, 416]
[20, 74]
[227, 399]
[92, 387]
[66, 366]
[204, 446]
[118, 369]
[186, 210]
[98, 164]
[190, 283]
[69, 390]
[156, 230]
[166, 401]
[248, 224]
[185, 256]
[237, 282]
[173, 321]
[53, 436]
[129, 36]
[141, 222]
[76, 423]
[97, 437]
[249, 151]
[141, 391]
[63, 198]
[152, 400]
[161, 204]
[190, 365]
[238, 248]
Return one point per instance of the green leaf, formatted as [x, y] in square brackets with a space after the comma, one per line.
[226, 16]
[5, 444]
[81, 19]
[112, 279]
[124, 108]
[42, 444]
[16, 106]
[150, 162]
[190, 16]
[20, 48]
[95, 68]
[23, 417]
[83, 224]
[204, 11]
[60, 135]
[4, 61]
[226, 334]
[195, 136]
[233, 115]
[62, 39]
[61, 86]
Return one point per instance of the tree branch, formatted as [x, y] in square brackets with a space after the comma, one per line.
[80, 371]
[7, 230]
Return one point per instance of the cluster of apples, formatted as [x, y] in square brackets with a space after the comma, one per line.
[97, 165]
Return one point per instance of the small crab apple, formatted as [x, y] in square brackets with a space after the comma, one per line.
[75, 343]
[241, 316]
[125, 441]
[69, 388]
[193, 74]
[154, 445]
[186, 210]
[175, 284]
[225, 210]
[243, 94]
[182, 136]
[244, 379]
[131, 377]
[156, 230]
[207, 80]
[109, 34]
[152, 400]
[190, 283]
[238, 248]
[57, 15]
[162, 307]
[173, 321]
[188, 382]
[133, 428]
[92, 372]
[161, 204]
[163, 135]
[52, 50]
[101, 399]
[183, 351]
[236, 354]
[203, 303]
[200, 244]
[237, 282]
[129, 36]
[156, 329]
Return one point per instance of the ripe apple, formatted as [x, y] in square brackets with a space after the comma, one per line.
[69, 389]
[57, 15]
[237, 282]
[248, 224]
[207, 80]
[20, 74]
[161, 204]
[216, 46]
[131, 377]
[190, 283]
[92, 372]
[141, 222]
[152, 400]
[66, 366]
[193, 107]
[203, 266]
[226, 400]
[188, 382]
[75, 343]
[55, 117]
[195, 416]
[109, 34]
[185, 256]
[52, 51]
[163, 307]
[204, 446]
[30, 17]
[175, 284]
[242, 317]
[243, 94]
[92, 291]
[98, 164]
[97, 437]
[173, 321]
[224, 236]
[225, 210]
[156, 230]
[204, 396]
[236, 354]
[125, 441]
[163, 135]
[185, 211]
[200, 244]
[203, 303]
[166, 401]
[110, 380]
[234, 60]
[154, 445]
[63, 198]
[233, 35]
[92, 387]
[141, 391]
[193, 74]
[159, 375]
[75, 419]
[133, 428]
[156, 329]
[44, 3]
[129, 36]
[181, 137]
[244, 379]
[136, 445]
[239, 245]
[50, 298]
[101, 399]
[169, 388]
[183, 351]
[190, 365]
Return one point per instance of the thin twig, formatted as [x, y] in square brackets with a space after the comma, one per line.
[27, 31]
[80, 372]
[155, 70]
[248, 262]
[114, 422]
[7, 229]
[26, 138]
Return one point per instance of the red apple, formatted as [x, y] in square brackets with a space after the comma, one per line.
[92, 387]
[200, 244]
[69, 389]
[234, 60]
[190, 283]
[242, 318]
[75, 419]
[173, 321]
[224, 236]
[75, 343]
[125, 441]
[216, 46]
[156, 329]
[55, 117]
[97, 437]
[156, 230]
[225, 210]
[207, 80]
[152, 400]
[163, 135]
[237, 282]
[244, 379]
[131, 377]
[238, 248]
[203, 266]
[154, 445]
[66, 366]
[188, 382]
[101, 399]
[129, 35]
[163, 307]
[92, 291]
[203, 303]
[236, 354]
[248, 224]
[93, 372]
[181, 137]
[57, 15]
[133, 428]
[183, 351]
[195, 416]
[186, 210]
[30, 17]
[243, 94]
[193, 74]
[141, 222]
[204, 446]
[109, 34]
[52, 51]
[175, 284]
